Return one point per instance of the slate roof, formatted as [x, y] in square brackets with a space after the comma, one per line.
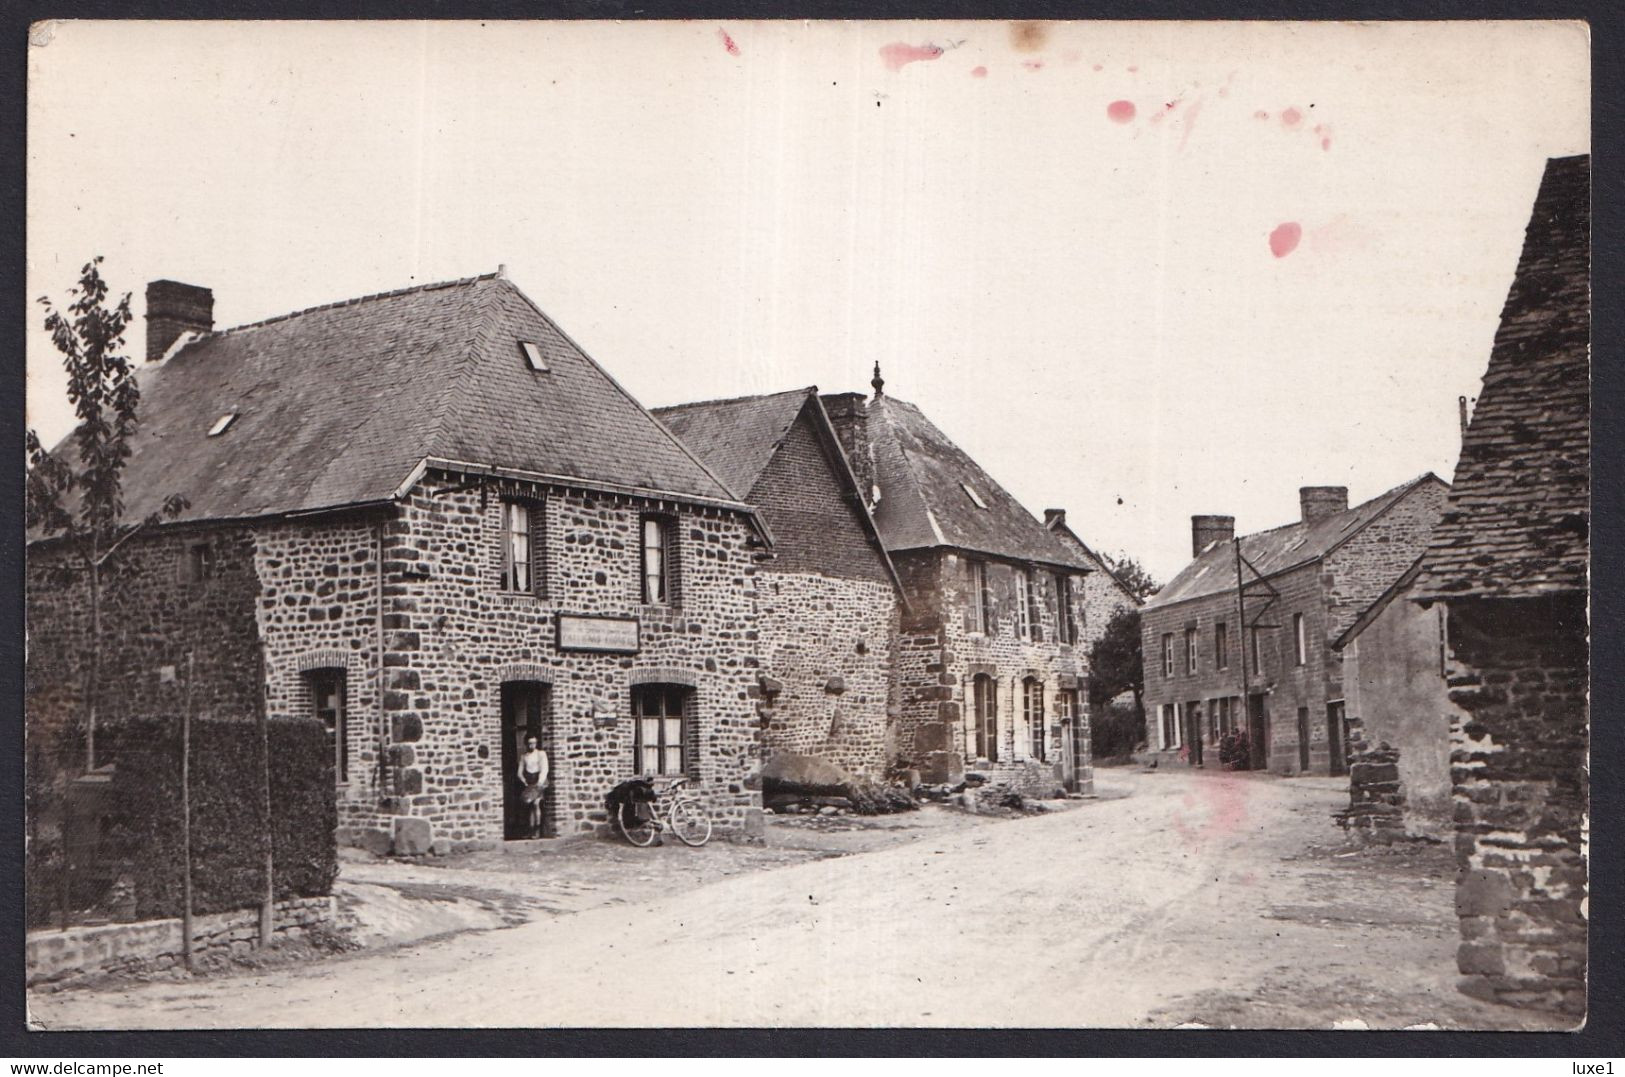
[736, 437]
[923, 504]
[1278, 549]
[338, 405]
[1517, 522]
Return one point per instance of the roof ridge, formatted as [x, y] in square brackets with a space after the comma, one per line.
[354, 301]
[1351, 509]
[732, 399]
[635, 402]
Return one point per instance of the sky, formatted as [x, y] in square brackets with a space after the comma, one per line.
[1139, 271]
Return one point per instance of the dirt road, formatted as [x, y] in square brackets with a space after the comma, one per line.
[1178, 898]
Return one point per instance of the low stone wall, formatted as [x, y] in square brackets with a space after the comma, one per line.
[56, 956]
[1376, 800]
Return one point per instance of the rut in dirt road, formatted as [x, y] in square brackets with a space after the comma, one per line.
[1105, 915]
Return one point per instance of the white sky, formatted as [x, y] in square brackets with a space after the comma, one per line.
[1092, 309]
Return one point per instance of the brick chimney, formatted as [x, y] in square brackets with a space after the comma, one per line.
[1054, 518]
[1319, 502]
[1206, 530]
[849, 415]
[174, 308]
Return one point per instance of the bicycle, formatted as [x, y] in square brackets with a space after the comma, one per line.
[640, 816]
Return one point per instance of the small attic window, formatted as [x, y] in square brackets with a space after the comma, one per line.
[222, 423]
[970, 492]
[533, 355]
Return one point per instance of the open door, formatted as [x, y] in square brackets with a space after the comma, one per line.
[1258, 732]
[1193, 732]
[523, 707]
[1337, 737]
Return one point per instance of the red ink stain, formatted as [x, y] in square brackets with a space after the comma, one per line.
[1099, 67]
[1284, 240]
[1032, 65]
[1120, 111]
[1189, 122]
[1325, 143]
[1156, 117]
[898, 55]
[727, 42]
[978, 72]
[1217, 808]
[1261, 115]
[1291, 117]
[1133, 70]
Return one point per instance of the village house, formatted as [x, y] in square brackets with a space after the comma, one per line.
[1104, 595]
[1509, 563]
[828, 597]
[1240, 639]
[430, 520]
[1398, 716]
[989, 672]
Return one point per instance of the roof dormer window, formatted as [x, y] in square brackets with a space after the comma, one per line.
[222, 423]
[533, 355]
[970, 492]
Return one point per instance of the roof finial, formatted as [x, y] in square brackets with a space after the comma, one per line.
[877, 381]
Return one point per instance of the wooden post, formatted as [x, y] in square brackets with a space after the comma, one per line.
[268, 903]
[186, 816]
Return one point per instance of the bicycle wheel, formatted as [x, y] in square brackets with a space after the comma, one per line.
[690, 822]
[640, 832]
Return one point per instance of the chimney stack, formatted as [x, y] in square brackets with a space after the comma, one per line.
[174, 308]
[1054, 518]
[1319, 502]
[1206, 530]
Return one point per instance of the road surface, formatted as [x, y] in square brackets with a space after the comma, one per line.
[1177, 898]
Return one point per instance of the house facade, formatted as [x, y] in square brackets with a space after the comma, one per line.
[1241, 639]
[988, 669]
[1399, 716]
[430, 520]
[827, 596]
[1509, 563]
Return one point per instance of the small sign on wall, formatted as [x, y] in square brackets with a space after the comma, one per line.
[599, 635]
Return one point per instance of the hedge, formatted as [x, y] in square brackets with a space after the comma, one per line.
[141, 823]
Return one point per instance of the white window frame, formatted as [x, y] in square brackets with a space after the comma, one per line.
[980, 598]
[655, 584]
[518, 537]
[1026, 602]
[1300, 642]
[1168, 654]
[1221, 645]
[1191, 665]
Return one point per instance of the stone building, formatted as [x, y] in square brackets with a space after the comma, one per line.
[828, 596]
[1509, 563]
[1399, 716]
[988, 669]
[1104, 595]
[1213, 667]
[429, 519]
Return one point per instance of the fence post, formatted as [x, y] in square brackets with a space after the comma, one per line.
[186, 817]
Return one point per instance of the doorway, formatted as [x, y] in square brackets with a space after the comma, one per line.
[1336, 737]
[985, 697]
[1258, 733]
[1193, 732]
[523, 704]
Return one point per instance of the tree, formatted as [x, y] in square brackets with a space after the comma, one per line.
[83, 507]
[1115, 664]
[1133, 576]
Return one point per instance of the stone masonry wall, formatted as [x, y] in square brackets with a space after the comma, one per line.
[1519, 771]
[57, 958]
[1357, 573]
[319, 609]
[937, 690]
[826, 644]
[153, 617]
[828, 608]
[1286, 684]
